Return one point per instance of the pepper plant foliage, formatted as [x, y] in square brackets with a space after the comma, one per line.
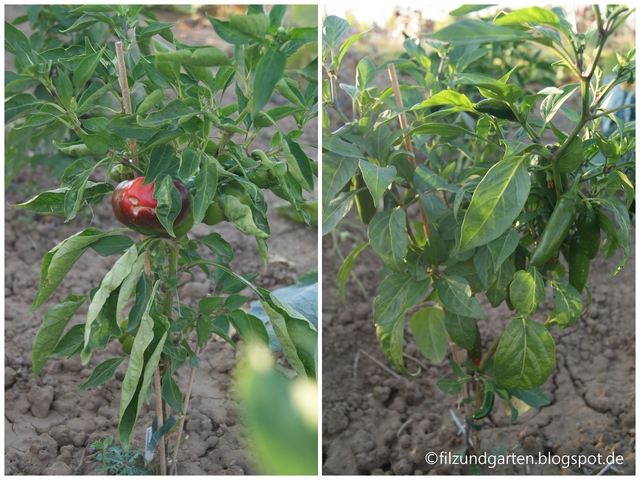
[196, 114]
[486, 193]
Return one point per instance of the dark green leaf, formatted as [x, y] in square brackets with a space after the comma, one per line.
[102, 373]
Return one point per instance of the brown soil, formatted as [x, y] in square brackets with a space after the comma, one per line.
[49, 425]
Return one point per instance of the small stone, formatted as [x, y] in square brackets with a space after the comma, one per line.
[40, 399]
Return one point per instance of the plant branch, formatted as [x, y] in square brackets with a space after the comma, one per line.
[489, 355]
[185, 407]
[157, 386]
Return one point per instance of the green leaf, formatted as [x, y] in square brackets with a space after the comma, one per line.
[206, 183]
[102, 373]
[572, 157]
[334, 29]
[55, 320]
[526, 355]
[496, 202]
[71, 344]
[19, 105]
[129, 284]
[467, 9]
[552, 103]
[337, 171]
[344, 48]
[169, 203]
[388, 237]
[17, 43]
[59, 260]
[391, 339]
[447, 97]
[462, 330]
[219, 246]
[623, 235]
[503, 246]
[534, 397]
[472, 32]
[340, 147]
[84, 71]
[76, 177]
[377, 178]
[171, 393]
[298, 163]
[228, 33]
[527, 291]
[455, 294]
[567, 304]
[365, 74]
[269, 71]
[127, 126]
[428, 328]
[277, 14]
[143, 360]
[174, 113]
[240, 215]
[52, 202]
[255, 26]
[450, 385]
[297, 335]
[199, 57]
[535, 15]
[335, 210]
[150, 101]
[111, 281]
[389, 304]
[249, 327]
[345, 270]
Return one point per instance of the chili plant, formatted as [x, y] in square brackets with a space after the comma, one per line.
[180, 150]
[467, 198]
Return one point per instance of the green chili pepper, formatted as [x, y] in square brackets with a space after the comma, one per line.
[555, 231]
[588, 226]
[364, 200]
[579, 263]
[496, 108]
[487, 405]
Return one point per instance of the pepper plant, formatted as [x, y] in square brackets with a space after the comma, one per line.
[180, 150]
[469, 184]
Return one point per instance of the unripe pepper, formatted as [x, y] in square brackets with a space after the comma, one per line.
[214, 214]
[579, 264]
[120, 173]
[555, 231]
[364, 200]
[588, 226]
[133, 204]
[487, 405]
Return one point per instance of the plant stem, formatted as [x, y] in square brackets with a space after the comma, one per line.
[185, 406]
[490, 353]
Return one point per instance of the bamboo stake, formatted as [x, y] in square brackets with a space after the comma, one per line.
[407, 139]
[126, 97]
[185, 407]
[126, 100]
[160, 415]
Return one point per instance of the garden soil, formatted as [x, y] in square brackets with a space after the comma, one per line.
[378, 422]
[49, 424]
